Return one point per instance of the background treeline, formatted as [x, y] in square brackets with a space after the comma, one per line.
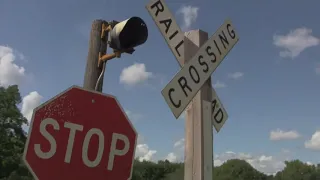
[13, 137]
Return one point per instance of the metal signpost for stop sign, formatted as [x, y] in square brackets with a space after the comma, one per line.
[72, 138]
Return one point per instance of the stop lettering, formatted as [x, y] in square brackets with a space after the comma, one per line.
[80, 134]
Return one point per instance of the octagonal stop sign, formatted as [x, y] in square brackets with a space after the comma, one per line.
[80, 134]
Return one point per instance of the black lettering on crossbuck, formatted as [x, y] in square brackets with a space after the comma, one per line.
[176, 105]
[178, 46]
[167, 23]
[197, 78]
[183, 84]
[206, 60]
[215, 43]
[223, 40]
[203, 63]
[215, 113]
[159, 6]
[173, 35]
[211, 53]
[231, 32]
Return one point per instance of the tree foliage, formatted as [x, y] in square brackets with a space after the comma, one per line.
[296, 170]
[13, 137]
[237, 169]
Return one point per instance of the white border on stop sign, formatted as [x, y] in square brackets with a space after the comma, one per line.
[55, 97]
[219, 51]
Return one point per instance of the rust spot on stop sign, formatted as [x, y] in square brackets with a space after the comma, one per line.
[61, 107]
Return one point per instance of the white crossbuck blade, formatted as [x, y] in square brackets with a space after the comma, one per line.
[187, 82]
[168, 27]
[174, 37]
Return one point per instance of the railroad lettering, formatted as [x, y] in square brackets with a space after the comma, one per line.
[176, 105]
[173, 35]
[223, 40]
[183, 84]
[177, 47]
[218, 118]
[167, 23]
[193, 69]
[168, 27]
[210, 53]
[216, 111]
[203, 63]
[213, 104]
[215, 43]
[159, 7]
[189, 80]
[231, 32]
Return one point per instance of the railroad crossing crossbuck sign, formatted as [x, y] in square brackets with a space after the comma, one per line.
[188, 81]
[80, 134]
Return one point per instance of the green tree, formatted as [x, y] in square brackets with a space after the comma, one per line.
[146, 170]
[12, 136]
[178, 174]
[297, 170]
[236, 169]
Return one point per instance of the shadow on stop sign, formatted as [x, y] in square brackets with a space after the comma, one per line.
[80, 134]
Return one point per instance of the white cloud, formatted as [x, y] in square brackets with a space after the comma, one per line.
[10, 73]
[278, 134]
[144, 153]
[172, 157]
[178, 152]
[263, 163]
[190, 14]
[309, 163]
[219, 84]
[29, 102]
[179, 144]
[314, 142]
[134, 117]
[134, 74]
[295, 42]
[235, 75]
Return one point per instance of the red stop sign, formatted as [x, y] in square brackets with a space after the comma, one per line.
[80, 134]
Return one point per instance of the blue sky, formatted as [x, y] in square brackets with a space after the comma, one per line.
[268, 82]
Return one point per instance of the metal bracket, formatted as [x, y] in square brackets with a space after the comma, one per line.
[103, 57]
[106, 27]
[116, 54]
